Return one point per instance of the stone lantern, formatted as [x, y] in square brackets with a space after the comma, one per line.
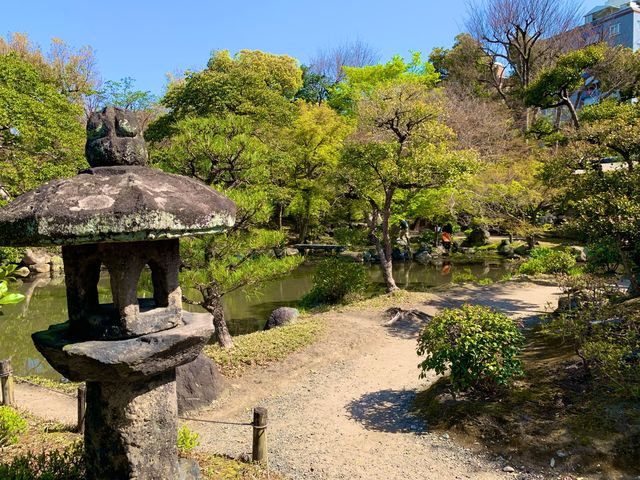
[122, 216]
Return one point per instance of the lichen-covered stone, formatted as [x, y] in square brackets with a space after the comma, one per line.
[121, 418]
[124, 360]
[115, 138]
[114, 204]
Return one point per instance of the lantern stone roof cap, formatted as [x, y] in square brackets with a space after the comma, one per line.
[114, 204]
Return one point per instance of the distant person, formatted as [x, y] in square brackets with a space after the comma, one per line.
[404, 239]
[447, 236]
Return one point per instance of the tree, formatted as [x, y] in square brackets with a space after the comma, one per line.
[240, 258]
[251, 84]
[555, 86]
[330, 63]
[72, 71]
[400, 144]
[221, 128]
[41, 136]
[312, 147]
[463, 68]
[525, 35]
[509, 194]
[612, 127]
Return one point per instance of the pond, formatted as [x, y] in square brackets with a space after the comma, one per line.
[45, 303]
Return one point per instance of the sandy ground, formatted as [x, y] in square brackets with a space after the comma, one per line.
[340, 409]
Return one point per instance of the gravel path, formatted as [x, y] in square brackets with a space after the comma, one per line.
[339, 409]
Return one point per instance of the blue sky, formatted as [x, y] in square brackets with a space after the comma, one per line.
[147, 39]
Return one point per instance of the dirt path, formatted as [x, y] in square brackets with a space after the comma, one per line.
[339, 408]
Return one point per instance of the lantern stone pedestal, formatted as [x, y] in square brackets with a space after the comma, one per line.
[123, 217]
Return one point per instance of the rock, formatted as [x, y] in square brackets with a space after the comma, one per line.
[198, 384]
[189, 469]
[478, 237]
[508, 469]
[281, 316]
[33, 256]
[552, 462]
[291, 252]
[57, 265]
[439, 250]
[399, 255]
[579, 253]
[505, 249]
[423, 258]
[356, 257]
[40, 268]
[115, 138]
[522, 250]
[21, 272]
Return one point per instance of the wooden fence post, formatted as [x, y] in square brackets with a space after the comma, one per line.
[6, 379]
[259, 452]
[82, 406]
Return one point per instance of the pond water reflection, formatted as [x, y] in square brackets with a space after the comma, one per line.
[45, 304]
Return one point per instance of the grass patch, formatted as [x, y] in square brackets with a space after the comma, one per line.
[261, 348]
[217, 467]
[555, 408]
[66, 387]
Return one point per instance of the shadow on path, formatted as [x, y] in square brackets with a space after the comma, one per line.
[386, 411]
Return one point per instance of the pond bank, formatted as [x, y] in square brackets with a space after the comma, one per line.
[45, 303]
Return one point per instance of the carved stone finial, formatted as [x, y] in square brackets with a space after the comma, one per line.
[115, 138]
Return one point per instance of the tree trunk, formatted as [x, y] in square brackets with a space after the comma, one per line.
[628, 270]
[212, 302]
[572, 111]
[386, 259]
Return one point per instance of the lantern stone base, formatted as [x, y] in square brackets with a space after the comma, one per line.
[131, 429]
[131, 416]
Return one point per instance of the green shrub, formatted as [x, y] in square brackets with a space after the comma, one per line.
[334, 280]
[11, 425]
[187, 440]
[465, 276]
[603, 256]
[546, 260]
[351, 236]
[478, 345]
[67, 464]
[11, 255]
[603, 332]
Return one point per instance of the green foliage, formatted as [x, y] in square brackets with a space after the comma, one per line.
[479, 345]
[121, 93]
[251, 84]
[334, 280]
[610, 126]
[364, 80]
[6, 298]
[351, 236]
[545, 260]
[603, 256]
[311, 150]
[187, 440]
[554, 85]
[603, 332]
[465, 276]
[10, 255]
[11, 425]
[67, 464]
[41, 133]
